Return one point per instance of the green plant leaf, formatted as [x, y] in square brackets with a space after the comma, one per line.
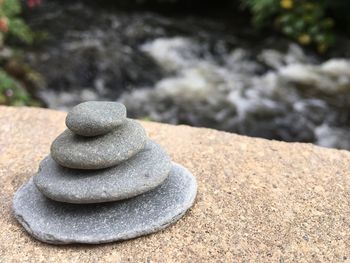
[19, 29]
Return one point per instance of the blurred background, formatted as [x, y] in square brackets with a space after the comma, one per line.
[277, 69]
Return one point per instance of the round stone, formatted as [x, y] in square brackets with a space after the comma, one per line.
[64, 223]
[79, 152]
[94, 118]
[139, 174]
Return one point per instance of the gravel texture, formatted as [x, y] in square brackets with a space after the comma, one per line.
[95, 117]
[139, 174]
[79, 152]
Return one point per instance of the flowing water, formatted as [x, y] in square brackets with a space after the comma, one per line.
[193, 71]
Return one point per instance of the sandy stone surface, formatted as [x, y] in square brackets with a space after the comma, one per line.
[258, 200]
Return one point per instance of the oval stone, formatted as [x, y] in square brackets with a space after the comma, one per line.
[94, 118]
[79, 152]
[139, 174]
[64, 223]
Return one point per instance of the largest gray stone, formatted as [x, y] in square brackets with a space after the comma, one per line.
[79, 152]
[139, 174]
[63, 223]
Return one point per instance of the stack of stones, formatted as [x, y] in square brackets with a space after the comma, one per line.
[103, 181]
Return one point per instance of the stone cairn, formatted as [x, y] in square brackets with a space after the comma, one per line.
[103, 181]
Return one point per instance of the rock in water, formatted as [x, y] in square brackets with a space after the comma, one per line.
[94, 118]
[63, 223]
[74, 151]
[139, 174]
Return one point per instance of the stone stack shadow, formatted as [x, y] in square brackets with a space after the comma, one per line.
[103, 181]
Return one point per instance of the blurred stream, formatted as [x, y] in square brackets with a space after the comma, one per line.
[191, 71]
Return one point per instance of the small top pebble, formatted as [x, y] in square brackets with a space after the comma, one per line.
[94, 118]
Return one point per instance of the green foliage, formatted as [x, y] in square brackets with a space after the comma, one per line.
[10, 8]
[12, 92]
[10, 11]
[262, 10]
[306, 21]
[19, 29]
[13, 87]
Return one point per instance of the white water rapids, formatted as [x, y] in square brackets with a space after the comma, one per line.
[230, 95]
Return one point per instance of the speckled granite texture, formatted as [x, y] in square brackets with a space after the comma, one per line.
[63, 223]
[99, 152]
[141, 173]
[258, 200]
[95, 117]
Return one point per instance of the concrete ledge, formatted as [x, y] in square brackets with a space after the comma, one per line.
[258, 200]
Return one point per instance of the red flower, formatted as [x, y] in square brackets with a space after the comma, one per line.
[4, 24]
[33, 3]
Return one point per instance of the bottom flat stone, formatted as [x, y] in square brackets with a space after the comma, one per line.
[62, 223]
